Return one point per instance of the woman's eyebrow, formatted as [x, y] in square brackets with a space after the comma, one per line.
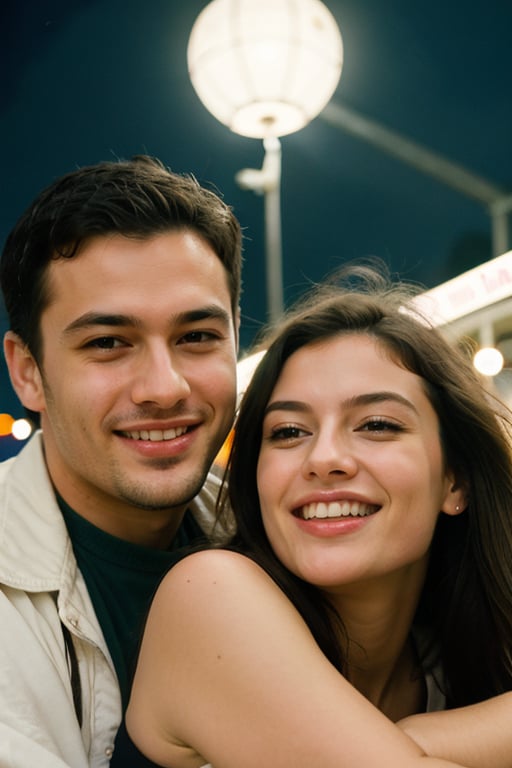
[287, 405]
[368, 398]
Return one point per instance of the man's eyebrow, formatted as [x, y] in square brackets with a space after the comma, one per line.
[92, 319]
[211, 312]
[368, 398]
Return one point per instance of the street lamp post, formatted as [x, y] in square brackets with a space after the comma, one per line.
[265, 69]
[267, 181]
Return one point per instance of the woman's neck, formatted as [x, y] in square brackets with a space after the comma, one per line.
[395, 686]
[382, 659]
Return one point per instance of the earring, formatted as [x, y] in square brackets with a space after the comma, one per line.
[457, 508]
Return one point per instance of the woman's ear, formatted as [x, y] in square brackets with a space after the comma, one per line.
[456, 500]
[24, 373]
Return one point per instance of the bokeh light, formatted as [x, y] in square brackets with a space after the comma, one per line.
[21, 429]
[6, 422]
[488, 361]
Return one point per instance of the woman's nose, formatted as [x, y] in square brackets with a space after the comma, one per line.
[330, 456]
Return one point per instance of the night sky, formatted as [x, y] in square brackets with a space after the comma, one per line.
[90, 80]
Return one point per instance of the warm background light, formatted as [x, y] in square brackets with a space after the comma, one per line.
[6, 422]
[244, 371]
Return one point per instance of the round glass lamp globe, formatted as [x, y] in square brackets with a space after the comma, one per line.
[265, 68]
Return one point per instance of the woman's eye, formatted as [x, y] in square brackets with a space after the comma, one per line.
[381, 425]
[287, 433]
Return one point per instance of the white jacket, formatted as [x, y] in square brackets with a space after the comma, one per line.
[42, 589]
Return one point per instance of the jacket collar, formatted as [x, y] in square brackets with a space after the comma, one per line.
[35, 549]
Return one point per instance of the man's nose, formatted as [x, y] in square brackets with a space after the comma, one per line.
[159, 379]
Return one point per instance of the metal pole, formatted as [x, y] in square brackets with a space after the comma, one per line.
[500, 210]
[267, 181]
[273, 238]
[497, 200]
[499, 223]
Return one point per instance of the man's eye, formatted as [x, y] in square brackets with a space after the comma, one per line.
[197, 337]
[105, 342]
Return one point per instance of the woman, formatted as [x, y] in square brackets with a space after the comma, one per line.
[370, 575]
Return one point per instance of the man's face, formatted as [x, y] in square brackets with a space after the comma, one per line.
[138, 376]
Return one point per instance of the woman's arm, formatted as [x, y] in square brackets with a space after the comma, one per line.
[229, 668]
[479, 736]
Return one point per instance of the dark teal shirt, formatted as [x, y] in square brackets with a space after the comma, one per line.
[121, 578]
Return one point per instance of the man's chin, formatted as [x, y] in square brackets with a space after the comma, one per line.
[163, 499]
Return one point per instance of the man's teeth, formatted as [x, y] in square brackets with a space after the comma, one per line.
[337, 509]
[157, 434]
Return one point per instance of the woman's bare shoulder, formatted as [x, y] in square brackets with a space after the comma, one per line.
[220, 563]
[216, 555]
[201, 576]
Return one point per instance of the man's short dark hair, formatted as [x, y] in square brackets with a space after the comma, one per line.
[137, 198]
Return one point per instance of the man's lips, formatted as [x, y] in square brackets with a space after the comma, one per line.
[155, 435]
[335, 509]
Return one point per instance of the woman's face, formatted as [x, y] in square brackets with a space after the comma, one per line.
[351, 476]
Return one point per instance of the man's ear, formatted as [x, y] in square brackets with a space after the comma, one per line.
[24, 373]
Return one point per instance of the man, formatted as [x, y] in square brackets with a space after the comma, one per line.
[122, 284]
